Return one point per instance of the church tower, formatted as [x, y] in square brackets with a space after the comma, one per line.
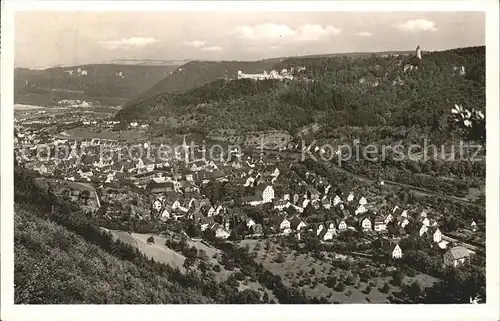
[418, 53]
[186, 150]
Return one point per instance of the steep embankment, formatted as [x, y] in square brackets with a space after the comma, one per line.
[56, 266]
[61, 258]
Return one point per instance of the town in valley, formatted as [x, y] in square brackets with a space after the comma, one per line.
[253, 182]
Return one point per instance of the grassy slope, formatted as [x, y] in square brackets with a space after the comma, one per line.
[158, 250]
[45, 251]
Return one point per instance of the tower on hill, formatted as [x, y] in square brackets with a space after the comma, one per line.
[418, 53]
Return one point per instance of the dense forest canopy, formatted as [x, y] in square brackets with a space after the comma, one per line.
[333, 91]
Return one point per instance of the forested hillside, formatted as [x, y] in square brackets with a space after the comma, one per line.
[332, 91]
[62, 257]
[56, 266]
[102, 83]
[198, 73]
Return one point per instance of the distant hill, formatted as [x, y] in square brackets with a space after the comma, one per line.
[198, 73]
[106, 84]
[362, 54]
[365, 90]
[149, 62]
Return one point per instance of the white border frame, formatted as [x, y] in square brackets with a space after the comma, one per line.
[488, 311]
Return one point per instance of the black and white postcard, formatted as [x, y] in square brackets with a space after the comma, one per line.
[259, 160]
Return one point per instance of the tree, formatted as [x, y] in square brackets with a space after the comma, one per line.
[193, 230]
[450, 224]
[182, 245]
[202, 266]
[397, 278]
[350, 280]
[202, 255]
[267, 207]
[385, 288]
[265, 298]
[85, 194]
[268, 244]
[280, 258]
[151, 240]
[340, 286]
[188, 262]
[331, 282]
[239, 276]
[412, 292]
[232, 281]
[457, 286]
[368, 289]
[247, 296]
[208, 235]
[309, 210]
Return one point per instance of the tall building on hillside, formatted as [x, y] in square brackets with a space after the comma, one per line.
[186, 151]
[419, 52]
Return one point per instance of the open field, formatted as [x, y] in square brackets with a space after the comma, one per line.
[161, 253]
[158, 251]
[70, 184]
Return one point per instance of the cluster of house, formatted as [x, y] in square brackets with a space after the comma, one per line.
[222, 220]
[26, 137]
[73, 163]
[461, 70]
[77, 72]
[83, 196]
[28, 133]
[341, 208]
[74, 103]
[273, 74]
[136, 124]
[217, 218]
[175, 190]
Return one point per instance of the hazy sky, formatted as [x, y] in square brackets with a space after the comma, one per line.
[61, 38]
